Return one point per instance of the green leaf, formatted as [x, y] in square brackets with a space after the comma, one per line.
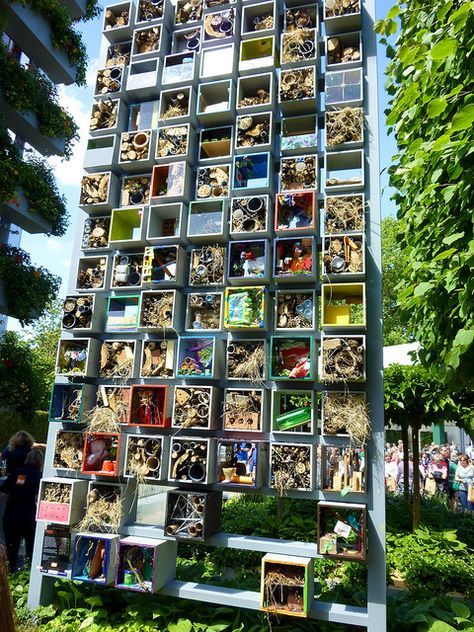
[464, 338]
[441, 626]
[183, 625]
[446, 254]
[444, 48]
[422, 288]
[452, 238]
[459, 17]
[464, 118]
[437, 107]
[394, 11]
[460, 609]
[88, 621]
[218, 627]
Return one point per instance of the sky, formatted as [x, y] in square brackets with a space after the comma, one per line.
[55, 252]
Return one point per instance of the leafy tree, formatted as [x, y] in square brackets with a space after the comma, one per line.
[396, 332]
[415, 397]
[43, 337]
[432, 115]
[21, 385]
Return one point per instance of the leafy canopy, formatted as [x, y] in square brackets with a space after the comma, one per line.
[432, 115]
[415, 396]
[395, 330]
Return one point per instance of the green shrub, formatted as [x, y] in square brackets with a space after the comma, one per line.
[35, 423]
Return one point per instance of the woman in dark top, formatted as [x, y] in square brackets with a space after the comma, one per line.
[21, 489]
[19, 446]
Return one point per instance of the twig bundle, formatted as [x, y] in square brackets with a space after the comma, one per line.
[102, 419]
[157, 310]
[291, 467]
[341, 7]
[344, 126]
[343, 359]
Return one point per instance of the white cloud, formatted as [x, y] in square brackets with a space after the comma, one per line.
[56, 245]
[68, 173]
[91, 75]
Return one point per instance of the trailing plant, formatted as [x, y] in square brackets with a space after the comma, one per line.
[63, 35]
[30, 90]
[20, 386]
[431, 113]
[93, 10]
[35, 178]
[28, 289]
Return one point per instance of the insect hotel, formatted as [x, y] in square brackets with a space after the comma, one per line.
[221, 334]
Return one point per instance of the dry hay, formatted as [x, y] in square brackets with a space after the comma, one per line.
[344, 213]
[56, 493]
[68, 451]
[251, 367]
[344, 126]
[103, 419]
[104, 511]
[347, 413]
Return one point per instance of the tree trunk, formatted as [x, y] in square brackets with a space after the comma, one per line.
[406, 489]
[281, 507]
[416, 476]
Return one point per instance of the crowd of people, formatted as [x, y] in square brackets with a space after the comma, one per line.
[443, 470]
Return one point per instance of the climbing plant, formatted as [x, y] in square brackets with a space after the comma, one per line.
[431, 113]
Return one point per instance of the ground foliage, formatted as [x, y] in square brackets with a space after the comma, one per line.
[439, 553]
[431, 112]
